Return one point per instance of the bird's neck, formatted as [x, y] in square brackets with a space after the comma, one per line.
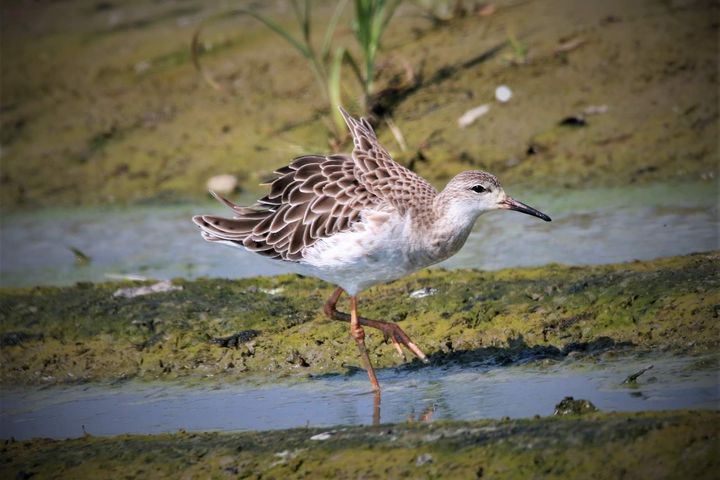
[451, 215]
[450, 226]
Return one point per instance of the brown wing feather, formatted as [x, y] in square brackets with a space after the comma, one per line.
[317, 196]
[312, 198]
[381, 175]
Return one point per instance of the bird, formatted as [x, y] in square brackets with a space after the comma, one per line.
[359, 220]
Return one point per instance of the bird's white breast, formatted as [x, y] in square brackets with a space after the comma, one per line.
[376, 250]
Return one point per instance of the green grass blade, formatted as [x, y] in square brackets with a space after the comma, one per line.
[303, 18]
[330, 31]
[362, 22]
[298, 12]
[389, 15]
[303, 49]
[348, 58]
[334, 83]
[306, 23]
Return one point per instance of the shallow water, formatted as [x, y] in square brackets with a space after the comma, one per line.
[589, 227]
[458, 392]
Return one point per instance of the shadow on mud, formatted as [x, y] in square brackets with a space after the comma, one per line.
[517, 353]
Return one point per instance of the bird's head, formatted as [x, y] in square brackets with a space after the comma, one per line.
[472, 193]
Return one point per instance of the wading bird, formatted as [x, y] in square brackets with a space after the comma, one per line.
[359, 220]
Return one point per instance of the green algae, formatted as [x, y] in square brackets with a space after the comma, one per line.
[84, 333]
[80, 126]
[678, 444]
[570, 406]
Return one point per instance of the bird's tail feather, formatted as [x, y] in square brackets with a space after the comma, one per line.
[235, 229]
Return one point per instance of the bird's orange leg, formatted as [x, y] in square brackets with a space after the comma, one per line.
[390, 330]
[358, 334]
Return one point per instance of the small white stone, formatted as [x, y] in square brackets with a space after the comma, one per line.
[142, 67]
[272, 291]
[469, 117]
[126, 276]
[184, 22]
[595, 109]
[321, 436]
[160, 287]
[423, 459]
[503, 93]
[222, 184]
[423, 292]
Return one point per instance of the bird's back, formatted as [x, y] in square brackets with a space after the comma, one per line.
[316, 197]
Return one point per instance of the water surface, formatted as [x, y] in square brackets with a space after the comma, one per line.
[590, 226]
[464, 392]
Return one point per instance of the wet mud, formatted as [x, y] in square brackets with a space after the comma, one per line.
[681, 444]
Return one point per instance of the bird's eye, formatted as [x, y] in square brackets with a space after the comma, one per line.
[478, 189]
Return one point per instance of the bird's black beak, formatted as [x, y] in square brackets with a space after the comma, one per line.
[512, 204]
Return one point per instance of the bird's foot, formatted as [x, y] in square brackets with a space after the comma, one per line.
[397, 335]
[397, 346]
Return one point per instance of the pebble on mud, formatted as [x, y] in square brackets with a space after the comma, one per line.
[272, 291]
[469, 117]
[423, 459]
[503, 93]
[222, 184]
[142, 67]
[595, 109]
[423, 292]
[160, 287]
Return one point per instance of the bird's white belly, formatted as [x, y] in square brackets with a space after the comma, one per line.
[364, 256]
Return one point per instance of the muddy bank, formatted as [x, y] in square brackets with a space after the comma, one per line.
[679, 444]
[274, 325]
[80, 126]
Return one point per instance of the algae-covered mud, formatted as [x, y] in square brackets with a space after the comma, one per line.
[273, 326]
[678, 445]
[101, 103]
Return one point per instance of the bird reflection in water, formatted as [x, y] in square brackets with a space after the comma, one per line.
[426, 416]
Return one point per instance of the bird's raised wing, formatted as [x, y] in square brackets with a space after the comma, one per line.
[380, 174]
[312, 198]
